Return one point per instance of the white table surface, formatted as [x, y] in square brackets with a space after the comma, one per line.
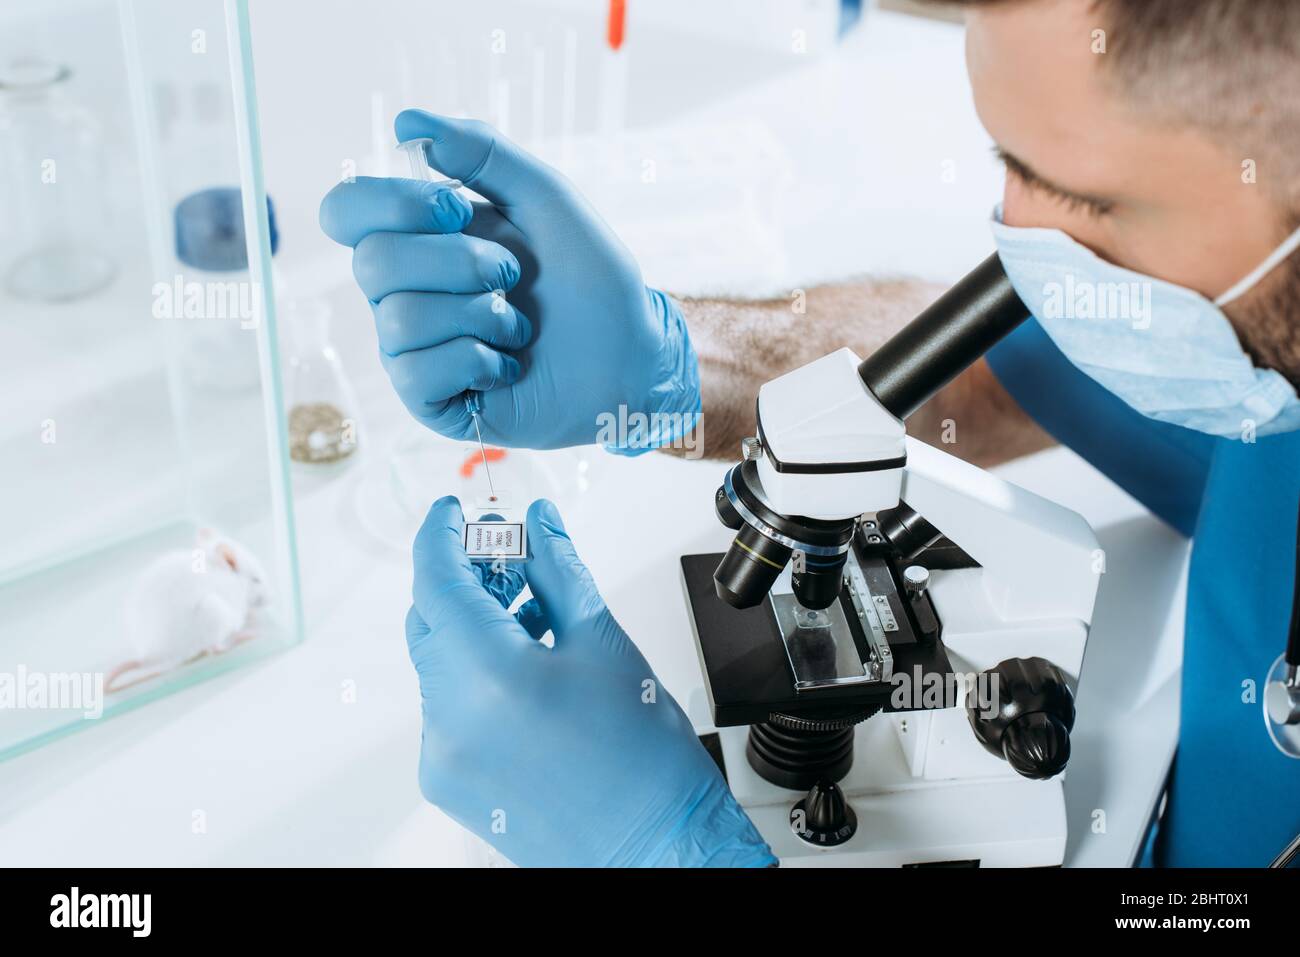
[285, 772]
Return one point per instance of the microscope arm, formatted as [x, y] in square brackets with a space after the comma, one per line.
[1038, 560]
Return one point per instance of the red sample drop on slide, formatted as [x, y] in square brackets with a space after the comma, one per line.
[617, 21]
[475, 458]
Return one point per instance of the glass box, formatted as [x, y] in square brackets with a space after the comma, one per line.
[146, 531]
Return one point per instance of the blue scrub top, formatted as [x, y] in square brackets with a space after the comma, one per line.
[1234, 799]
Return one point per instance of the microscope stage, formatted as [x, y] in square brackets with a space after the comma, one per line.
[747, 672]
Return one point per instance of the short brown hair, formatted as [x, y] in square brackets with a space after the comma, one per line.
[1229, 67]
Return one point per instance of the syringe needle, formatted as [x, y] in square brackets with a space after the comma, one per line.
[472, 406]
[487, 469]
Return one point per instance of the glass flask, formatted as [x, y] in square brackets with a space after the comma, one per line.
[55, 206]
[322, 408]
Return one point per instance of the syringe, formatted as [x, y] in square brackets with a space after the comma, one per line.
[418, 158]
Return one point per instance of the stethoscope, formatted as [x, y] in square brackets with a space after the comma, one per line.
[1282, 700]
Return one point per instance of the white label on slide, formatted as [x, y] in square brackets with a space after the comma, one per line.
[495, 540]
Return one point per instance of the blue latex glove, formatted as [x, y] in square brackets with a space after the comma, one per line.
[572, 755]
[576, 335]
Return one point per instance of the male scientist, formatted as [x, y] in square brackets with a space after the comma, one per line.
[1167, 155]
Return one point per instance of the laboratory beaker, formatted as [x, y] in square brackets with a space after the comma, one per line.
[50, 150]
[323, 417]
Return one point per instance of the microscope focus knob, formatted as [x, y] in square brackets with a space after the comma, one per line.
[1037, 746]
[1023, 712]
[823, 817]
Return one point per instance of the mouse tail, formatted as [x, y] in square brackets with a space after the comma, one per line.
[129, 674]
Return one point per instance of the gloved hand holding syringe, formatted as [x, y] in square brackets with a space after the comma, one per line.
[418, 158]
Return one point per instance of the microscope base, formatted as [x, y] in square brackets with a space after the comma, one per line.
[905, 821]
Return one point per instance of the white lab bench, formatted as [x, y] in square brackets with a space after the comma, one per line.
[309, 758]
[271, 765]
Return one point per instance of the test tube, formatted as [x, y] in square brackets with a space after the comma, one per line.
[417, 156]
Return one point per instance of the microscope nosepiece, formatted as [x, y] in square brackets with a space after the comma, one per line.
[765, 540]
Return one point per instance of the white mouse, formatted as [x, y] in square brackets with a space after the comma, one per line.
[188, 604]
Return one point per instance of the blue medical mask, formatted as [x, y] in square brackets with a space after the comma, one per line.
[1166, 350]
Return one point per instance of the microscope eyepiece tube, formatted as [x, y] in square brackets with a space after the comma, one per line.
[934, 348]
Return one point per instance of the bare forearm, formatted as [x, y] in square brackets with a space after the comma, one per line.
[742, 344]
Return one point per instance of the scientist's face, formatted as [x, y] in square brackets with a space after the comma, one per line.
[1162, 200]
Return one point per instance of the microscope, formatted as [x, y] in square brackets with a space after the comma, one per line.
[891, 643]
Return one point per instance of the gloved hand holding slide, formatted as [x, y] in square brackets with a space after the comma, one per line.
[565, 755]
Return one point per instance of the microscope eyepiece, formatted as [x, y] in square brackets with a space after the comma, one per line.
[957, 329]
